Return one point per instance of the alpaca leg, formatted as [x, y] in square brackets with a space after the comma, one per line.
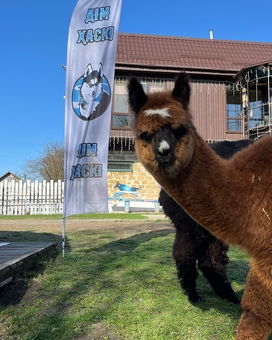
[256, 320]
[213, 263]
[187, 275]
[184, 254]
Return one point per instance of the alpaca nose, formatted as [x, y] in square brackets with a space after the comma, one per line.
[164, 159]
[164, 154]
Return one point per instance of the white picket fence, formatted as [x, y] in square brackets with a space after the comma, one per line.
[31, 198]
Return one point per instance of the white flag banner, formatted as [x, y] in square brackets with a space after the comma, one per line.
[91, 56]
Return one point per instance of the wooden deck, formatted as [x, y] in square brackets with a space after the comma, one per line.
[16, 257]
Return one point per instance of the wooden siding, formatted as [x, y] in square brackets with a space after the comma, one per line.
[208, 107]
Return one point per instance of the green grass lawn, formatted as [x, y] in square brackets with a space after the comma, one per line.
[96, 216]
[112, 285]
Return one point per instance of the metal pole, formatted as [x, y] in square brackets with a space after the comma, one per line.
[63, 236]
[268, 97]
[256, 104]
[248, 110]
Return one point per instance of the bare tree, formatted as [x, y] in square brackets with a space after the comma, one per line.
[49, 165]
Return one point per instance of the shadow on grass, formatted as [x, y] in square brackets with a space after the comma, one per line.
[28, 236]
[13, 292]
[237, 270]
[102, 274]
[132, 242]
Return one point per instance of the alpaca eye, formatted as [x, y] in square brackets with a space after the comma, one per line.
[179, 132]
[146, 137]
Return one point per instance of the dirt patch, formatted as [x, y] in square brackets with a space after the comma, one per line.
[51, 230]
[99, 333]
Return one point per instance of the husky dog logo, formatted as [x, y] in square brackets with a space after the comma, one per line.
[91, 94]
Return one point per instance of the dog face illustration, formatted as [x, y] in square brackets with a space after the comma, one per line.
[91, 90]
[91, 93]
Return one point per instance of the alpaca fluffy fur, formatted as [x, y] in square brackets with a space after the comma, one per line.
[195, 245]
[231, 198]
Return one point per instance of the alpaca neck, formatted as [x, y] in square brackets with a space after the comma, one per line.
[204, 191]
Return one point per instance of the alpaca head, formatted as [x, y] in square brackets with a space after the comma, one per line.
[164, 133]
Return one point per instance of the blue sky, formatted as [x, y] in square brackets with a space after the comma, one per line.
[34, 36]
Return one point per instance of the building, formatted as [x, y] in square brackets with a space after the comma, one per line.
[9, 176]
[255, 82]
[216, 69]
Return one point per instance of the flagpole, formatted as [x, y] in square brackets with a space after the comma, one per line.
[63, 236]
[91, 56]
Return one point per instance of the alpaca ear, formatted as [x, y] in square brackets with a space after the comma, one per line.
[181, 91]
[136, 95]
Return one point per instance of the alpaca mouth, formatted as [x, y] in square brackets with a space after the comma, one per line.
[165, 159]
[168, 169]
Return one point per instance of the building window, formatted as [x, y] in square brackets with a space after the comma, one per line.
[122, 118]
[258, 111]
[234, 109]
[156, 86]
[120, 166]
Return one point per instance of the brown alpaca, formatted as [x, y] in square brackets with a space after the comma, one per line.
[231, 198]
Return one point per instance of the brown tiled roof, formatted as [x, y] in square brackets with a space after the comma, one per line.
[210, 56]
